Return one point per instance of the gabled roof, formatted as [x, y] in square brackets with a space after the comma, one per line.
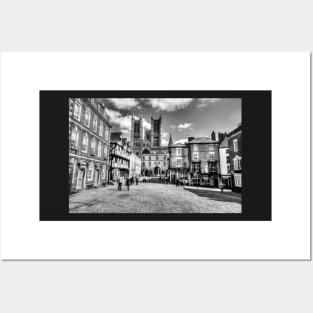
[224, 143]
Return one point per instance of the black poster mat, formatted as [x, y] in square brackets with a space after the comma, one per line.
[256, 150]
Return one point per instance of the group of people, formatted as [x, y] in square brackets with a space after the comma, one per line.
[128, 181]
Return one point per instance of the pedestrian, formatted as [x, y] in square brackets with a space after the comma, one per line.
[118, 183]
[136, 180]
[177, 183]
[127, 183]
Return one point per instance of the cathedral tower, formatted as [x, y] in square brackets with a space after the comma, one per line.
[156, 124]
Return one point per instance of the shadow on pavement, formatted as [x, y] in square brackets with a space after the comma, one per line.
[217, 196]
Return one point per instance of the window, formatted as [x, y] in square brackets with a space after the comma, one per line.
[227, 159]
[211, 156]
[101, 129]
[196, 167]
[99, 149]
[179, 162]
[93, 146]
[106, 132]
[105, 151]
[94, 123]
[178, 151]
[87, 117]
[77, 110]
[212, 167]
[237, 179]
[85, 143]
[237, 163]
[228, 168]
[195, 156]
[90, 171]
[74, 138]
[235, 142]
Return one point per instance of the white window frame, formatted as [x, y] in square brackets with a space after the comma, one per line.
[237, 163]
[212, 156]
[75, 131]
[178, 151]
[76, 103]
[179, 162]
[85, 136]
[235, 143]
[93, 145]
[99, 149]
[87, 121]
[94, 123]
[196, 155]
[101, 129]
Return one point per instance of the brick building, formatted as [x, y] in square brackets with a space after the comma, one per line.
[120, 153]
[235, 155]
[204, 161]
[89, 141]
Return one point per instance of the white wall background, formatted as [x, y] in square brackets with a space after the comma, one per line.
[45, 286]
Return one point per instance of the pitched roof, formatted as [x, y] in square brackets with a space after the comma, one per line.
[202, 140]
[224, 143]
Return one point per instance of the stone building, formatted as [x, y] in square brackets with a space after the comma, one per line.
[235, 155]
[178, 165]
[204, 161]
[89, 141]
[146, 143]
[119, 156]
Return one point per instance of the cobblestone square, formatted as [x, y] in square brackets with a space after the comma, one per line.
[153, 198]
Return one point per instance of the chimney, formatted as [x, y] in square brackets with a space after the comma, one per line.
[213, 135]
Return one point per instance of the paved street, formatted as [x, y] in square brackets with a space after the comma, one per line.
[153, 198]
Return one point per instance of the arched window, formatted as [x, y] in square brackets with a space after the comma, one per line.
[93, 146]
[101, 129]
[90, 171]
[74, 138]
[94, 123]
[87, 117]
[77, 110]
[99, 149]
[237, 163]
[85, 143]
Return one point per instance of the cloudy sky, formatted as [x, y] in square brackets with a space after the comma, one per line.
[181, 117]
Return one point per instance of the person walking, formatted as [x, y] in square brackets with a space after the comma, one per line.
[127, 183]
[177, 183]
[136, 180]
[118, 183]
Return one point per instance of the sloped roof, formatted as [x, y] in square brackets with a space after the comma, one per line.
[224, 143]
[202, 140]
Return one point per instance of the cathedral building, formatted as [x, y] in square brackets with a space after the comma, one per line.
[146, 144]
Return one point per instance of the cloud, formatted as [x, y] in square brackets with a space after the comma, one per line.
[123, 103]
[173, 127]
[164, 137]
[169, 104]
[184, 126]
[205, 102]
[123, 122]
[180, 141]
[146, 124]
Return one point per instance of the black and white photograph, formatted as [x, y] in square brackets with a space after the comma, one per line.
[155, 155]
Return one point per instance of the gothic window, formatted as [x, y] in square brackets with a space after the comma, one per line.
[235, 142]
[237, 163]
